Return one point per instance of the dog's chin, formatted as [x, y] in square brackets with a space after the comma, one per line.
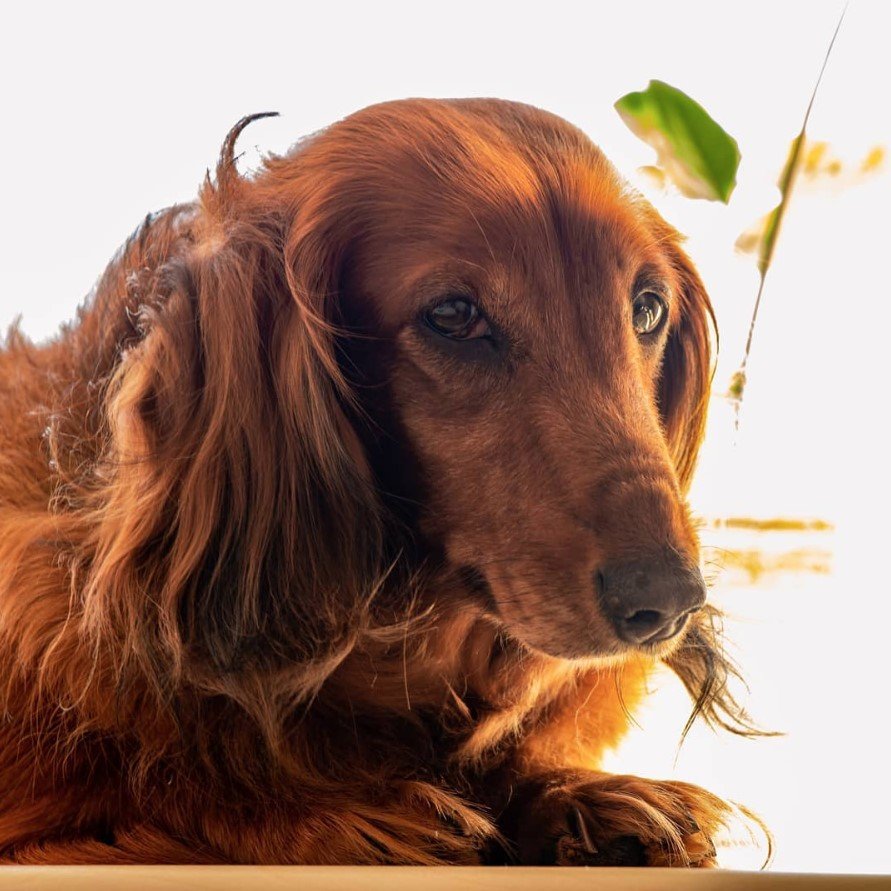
[567, 644]
[581, 635]
[604, 649]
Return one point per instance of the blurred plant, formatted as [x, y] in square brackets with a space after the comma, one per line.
[818, 165]
[696, 154]
[771, 227]
[692, 149]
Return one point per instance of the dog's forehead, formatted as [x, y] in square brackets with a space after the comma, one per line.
[569, 234]
[487, 196]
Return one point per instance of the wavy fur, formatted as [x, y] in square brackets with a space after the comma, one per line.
[232, 629]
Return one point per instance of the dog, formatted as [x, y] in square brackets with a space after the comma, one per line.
[347, 520]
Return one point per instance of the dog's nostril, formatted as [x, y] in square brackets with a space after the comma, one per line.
[644, 622]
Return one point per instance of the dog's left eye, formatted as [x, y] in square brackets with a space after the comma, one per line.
[648, 310]
[457, 318]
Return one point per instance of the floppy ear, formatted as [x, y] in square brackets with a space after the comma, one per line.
[238, 526]
[700, 661]
[687, 366]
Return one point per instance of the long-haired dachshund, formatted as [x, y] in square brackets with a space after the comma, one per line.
[348, 518]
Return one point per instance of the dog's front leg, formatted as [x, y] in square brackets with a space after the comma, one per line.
[577, 817]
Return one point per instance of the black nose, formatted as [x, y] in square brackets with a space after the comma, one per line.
[649, 600]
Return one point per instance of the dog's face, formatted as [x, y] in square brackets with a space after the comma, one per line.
[516, 306]
[452, 306]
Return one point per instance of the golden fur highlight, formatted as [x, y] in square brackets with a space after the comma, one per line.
[215, 643]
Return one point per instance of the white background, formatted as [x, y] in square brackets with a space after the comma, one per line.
[112, 111]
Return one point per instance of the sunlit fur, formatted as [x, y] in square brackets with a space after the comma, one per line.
[219, 639]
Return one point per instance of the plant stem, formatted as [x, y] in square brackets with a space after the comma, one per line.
[772, 229]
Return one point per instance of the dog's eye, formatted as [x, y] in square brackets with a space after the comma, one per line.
[648, 311]
[457, 318]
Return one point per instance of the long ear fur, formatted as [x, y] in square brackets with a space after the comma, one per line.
[700, 662]
[238, 528]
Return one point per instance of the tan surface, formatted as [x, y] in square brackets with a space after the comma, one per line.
[311, 878]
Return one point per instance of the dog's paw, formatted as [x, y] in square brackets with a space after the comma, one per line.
[606, 820]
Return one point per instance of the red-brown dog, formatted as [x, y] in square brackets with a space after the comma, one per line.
[345, 522]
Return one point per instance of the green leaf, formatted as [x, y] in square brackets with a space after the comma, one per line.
[698, 155]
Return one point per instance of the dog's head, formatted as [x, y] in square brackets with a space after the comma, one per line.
[533, 348]
[453, 312]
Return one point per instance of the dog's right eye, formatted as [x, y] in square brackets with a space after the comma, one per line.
[457, 318]
[648, 311]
